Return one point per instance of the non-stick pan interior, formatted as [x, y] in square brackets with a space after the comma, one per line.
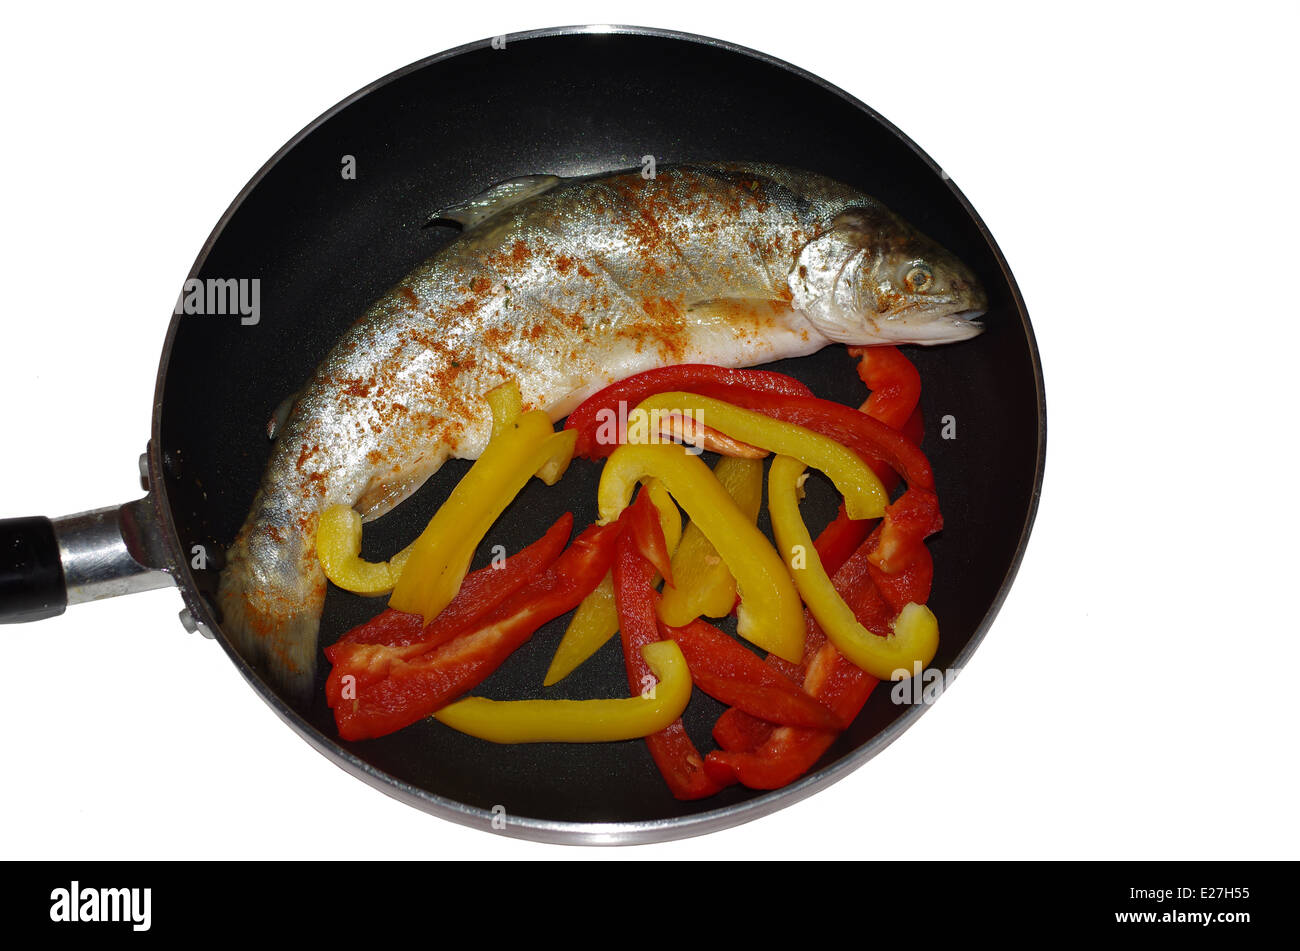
[324, 247]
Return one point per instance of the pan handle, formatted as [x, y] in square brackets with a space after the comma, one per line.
[47, 564]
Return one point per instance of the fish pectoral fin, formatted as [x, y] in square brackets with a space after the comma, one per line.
[498, 198]
[736, 310]
[381, 496]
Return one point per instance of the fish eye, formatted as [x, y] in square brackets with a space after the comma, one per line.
[919, 277]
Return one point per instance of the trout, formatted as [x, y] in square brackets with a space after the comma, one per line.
[567, 285]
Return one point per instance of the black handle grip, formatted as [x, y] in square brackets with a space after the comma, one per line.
[31, 571]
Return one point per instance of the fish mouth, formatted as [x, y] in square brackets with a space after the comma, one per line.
[937, 329]
[953, 329]
[964, 326]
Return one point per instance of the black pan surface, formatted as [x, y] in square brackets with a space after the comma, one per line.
[572, 102]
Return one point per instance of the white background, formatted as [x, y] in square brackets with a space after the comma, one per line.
[1137, 164]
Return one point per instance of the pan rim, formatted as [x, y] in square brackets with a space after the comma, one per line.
[557, 831]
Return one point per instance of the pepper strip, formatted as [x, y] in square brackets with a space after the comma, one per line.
[596, 619]
[895, 384]
[591, 626]
[679, 762]
[443, 551]
[769, 614]
[864, 496]
[506, 403]
[338, 546]
[868, 437]
[773, 394]
[482, 591]
[413, 690]
[910, 518]
[784, 753]
[737, 730]
[591, 418]
[704, 585]
[916, 633]
[338, 534]
[727, 671]
[840, 539]
[894, 400]
[581, 721]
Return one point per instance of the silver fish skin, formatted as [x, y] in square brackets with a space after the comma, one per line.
[566, 285]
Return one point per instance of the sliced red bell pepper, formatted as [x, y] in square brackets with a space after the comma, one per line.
[868, 437]
[914, 431]
[895, 387]
[642, 525]
[911, 584]
[389, 627]
[480, 592]
[895, 395]
[840, 539]
[837, 541]
[412, 690]
[877, 598]
[737, 729]
[914, 428]
[764, 756]
[909, 520]
[765, 391]
[786, 753]
[706, 380]
[731, 673]
[679, 762]
[871, 439]
[894, 383]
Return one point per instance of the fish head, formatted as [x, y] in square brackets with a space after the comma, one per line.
[870, 278]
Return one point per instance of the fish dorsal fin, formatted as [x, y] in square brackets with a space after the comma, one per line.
[275, 425]
[498, 198]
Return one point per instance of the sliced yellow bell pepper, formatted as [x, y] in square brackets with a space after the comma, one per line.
[596, 619]
[703, 583]
[338, 545]
[442, 553]
[770, 614]
[581, 721]
[864, 496]
[916, 631]
[507, 405]
[338, 534]
[593, 623]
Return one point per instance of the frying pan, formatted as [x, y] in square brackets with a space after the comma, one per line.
[569, 101]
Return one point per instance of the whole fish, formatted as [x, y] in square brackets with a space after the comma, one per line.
[567, 285]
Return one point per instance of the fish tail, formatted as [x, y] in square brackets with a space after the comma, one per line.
[271, 594]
